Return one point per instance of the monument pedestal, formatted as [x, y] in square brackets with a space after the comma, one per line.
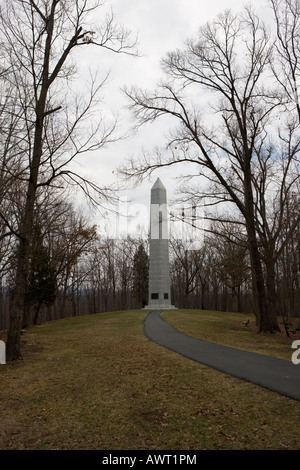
[160, 307]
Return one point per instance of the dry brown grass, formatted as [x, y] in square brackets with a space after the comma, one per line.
[229, 329]
[97, 382]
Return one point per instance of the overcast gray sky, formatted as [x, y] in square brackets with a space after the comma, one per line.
[161, 26]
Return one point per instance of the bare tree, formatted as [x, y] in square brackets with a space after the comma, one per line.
[230, 63]
[232, 267]
[39, 38]
[68, 236]
[288, 269]
[185, 268]
[286, 66]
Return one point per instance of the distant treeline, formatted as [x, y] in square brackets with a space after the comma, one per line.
[76, 272]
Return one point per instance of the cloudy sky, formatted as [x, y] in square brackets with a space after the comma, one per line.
[161, 26]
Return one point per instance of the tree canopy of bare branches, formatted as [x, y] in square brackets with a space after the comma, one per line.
[234, 125]
[55, 122]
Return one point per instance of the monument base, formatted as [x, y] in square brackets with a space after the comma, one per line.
[159, 307]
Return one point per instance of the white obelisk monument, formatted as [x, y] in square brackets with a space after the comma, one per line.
[159, 265]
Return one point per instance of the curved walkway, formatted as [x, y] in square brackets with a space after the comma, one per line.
[274, 374]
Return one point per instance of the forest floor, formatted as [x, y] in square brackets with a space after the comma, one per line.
[98, 383]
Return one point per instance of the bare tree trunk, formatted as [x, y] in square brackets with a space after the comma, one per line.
[265, 322]
[45, 34]
[17, 306]
[18, 302]
[36, 313]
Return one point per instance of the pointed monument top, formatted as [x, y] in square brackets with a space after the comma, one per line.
[158, 184]
[158, 193]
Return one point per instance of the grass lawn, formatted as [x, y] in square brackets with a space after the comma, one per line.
[96, 382]
[228, 329]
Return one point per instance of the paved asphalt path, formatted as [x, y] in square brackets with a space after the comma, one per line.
[278, 375]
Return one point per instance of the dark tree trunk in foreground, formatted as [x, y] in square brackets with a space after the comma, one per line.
[39, 38]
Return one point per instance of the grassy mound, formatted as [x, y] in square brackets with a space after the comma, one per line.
[96, 382]
[229, 329]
